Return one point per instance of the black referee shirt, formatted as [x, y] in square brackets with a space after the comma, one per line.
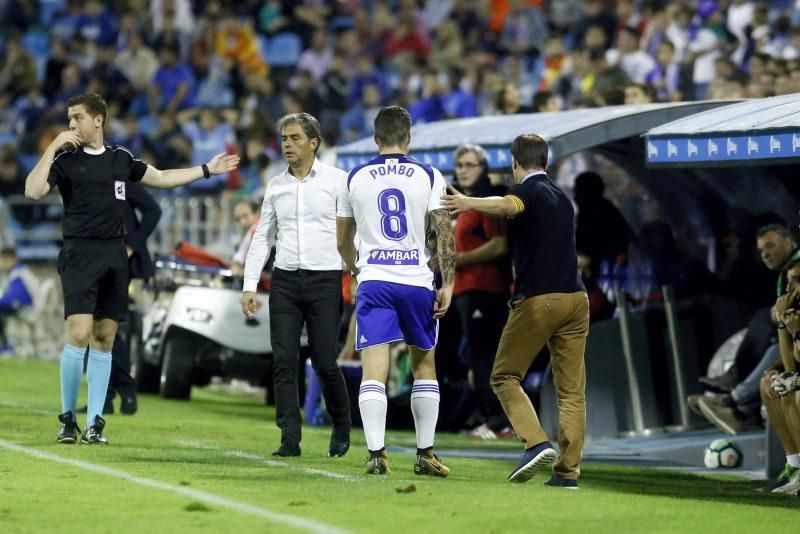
[94, 189]
[542, 239]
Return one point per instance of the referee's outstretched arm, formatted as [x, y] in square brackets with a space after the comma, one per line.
[219, 164]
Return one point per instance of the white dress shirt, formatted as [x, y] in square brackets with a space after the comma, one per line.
[302, 213]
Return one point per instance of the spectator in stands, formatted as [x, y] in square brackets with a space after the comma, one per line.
[555, 62]
[208, 136]
[97, 24]
[447, 51]
[429, 107]
[358, 121]
[636, 63]
[594, 14]
[482, 284]
[405, 43]
[214, 91]
[17, 70]
[507, 100]
[545, 101]
[305, 90]
[59, 58]
[638, 93]
[666, 75]
[72, 84]
[601, 231]
[524, 29]
[607, 77]
[317, 59]
[247, 214]
[17, 289]
[137, 62]
[173, 86]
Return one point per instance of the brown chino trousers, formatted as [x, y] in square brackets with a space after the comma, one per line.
[562, 321]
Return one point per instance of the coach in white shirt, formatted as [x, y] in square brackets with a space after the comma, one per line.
[300, 208]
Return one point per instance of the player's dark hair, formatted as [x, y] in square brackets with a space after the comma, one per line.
[392, 126]
[779, 229]
[8, 251]
[530, 151]
[95, 105]
[308, 123]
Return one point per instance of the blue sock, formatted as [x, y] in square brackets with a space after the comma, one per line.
[71, 373]
[98, 372]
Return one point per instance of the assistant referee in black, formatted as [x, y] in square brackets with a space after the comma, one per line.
[92, 178]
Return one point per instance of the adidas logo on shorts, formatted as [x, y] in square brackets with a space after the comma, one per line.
[362, 339]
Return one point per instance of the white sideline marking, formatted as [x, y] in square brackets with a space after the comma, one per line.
[28, 407]
[209, 498]
[269, 462]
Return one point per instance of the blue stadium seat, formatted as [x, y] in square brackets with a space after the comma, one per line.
[284, 50]
[37, 43]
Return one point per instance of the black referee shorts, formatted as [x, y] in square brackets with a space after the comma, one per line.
[94, 277]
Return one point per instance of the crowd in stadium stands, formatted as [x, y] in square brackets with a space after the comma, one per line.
[186, 78]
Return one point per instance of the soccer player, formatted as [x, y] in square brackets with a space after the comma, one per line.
[393, 201]
[93, 263]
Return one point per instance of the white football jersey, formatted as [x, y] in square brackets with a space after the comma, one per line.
[390, 197]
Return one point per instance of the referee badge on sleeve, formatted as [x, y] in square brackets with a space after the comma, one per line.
[119, 190]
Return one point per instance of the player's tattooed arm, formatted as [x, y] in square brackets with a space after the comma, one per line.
[445, 245]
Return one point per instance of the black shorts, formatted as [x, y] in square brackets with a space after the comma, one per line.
[94, 277]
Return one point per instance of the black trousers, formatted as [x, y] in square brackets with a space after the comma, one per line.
[313, 298]
[121, 380]
[483, 316]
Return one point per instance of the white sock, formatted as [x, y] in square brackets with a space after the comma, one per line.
[372, 405]
[425, 407]
[793, 459]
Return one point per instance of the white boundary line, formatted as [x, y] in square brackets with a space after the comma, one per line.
[28, 407]
[267, 461]
[209, 498]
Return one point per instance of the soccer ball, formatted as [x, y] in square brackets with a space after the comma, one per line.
[723, 453]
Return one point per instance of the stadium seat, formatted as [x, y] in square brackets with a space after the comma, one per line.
[284, 50]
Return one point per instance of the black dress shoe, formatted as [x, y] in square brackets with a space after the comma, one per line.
[128, 405]
[340, 443]
[287, 449]
[723, 383]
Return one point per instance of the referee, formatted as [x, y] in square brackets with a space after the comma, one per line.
[300, 209]
[92, 178]
[549, 306]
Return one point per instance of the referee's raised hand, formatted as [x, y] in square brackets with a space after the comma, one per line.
[67, 139]
[222, 163]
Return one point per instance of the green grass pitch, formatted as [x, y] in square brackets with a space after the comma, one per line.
[204, 466]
